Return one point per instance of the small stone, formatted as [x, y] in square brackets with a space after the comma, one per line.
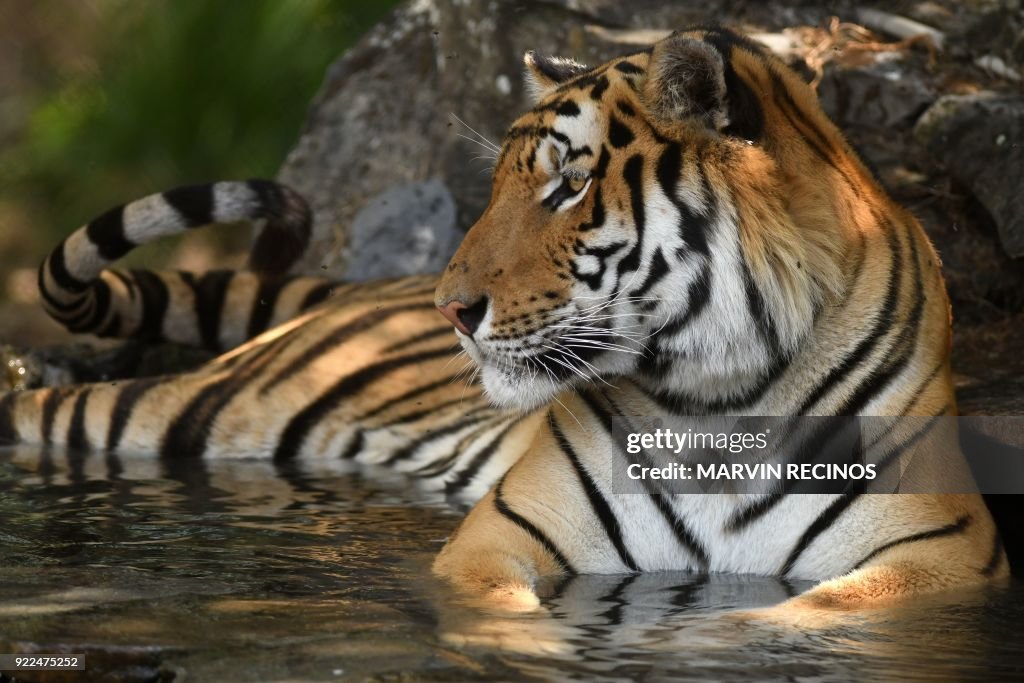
[503, 84]
[405, 230]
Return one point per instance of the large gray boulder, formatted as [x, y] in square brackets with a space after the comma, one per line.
[389, 110]
[385, 122]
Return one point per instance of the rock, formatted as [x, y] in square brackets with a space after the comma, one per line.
[889, 92]
[988, 367]
[979, 139]
[382, 117]
[405, 230]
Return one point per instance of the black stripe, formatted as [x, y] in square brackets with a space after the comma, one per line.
[263, 305]
[340, 335]
[751, 513]
[440, 465]
[657, 271]
[407, 396]
[788, 108]
[60, 309]
[354, 447]
[482, 457]
[684, 535]
[112, 328]
[317, 295]
[567, 108]
[59, 272]
[797, 119]
[584, 79]
[107, 233]
[619, 134]
[597, 501]
[209, 294]
[270, 196]
[697, 296]
[656, 358]
[505, 511]
[8, 430]
[601, 167]
[760, 314]
[922, 386]
[409, 450]
[125, 280]
[77, 438]
[100, 296]
[879, 379]
[628, 68]
[868, 343]
[996, 558]
[821, 524]
[287, 231]
[432, 409]
[694, 226]
[633, 174]
[298, 428]
[597, 214]
[124, 406]
[155, 300]
[883, 463]
[746, 115]
[600, 85]
[601, 254]
[194, 203]
[51, 404]
[956, 527]
[75, 321]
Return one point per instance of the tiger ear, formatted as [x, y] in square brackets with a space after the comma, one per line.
[544, 74]
[686, 79]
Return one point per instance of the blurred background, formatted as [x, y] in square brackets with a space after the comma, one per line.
[103, 101]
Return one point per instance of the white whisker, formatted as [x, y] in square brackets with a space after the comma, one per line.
[493, 146]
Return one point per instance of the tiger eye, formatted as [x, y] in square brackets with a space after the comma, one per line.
[575, 183]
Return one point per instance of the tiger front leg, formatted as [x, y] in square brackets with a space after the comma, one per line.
[900, 577]
[963, 554]
[497, 557]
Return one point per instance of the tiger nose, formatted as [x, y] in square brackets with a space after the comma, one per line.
[465, 318]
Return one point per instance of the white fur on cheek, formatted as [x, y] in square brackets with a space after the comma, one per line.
[517, 391]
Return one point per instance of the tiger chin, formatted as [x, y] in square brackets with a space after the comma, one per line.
[682, 230]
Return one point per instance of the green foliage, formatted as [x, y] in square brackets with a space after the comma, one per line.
[183, 91]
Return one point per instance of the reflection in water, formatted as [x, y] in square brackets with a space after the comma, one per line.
[242, 571]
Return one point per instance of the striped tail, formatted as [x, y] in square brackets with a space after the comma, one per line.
[218, 310]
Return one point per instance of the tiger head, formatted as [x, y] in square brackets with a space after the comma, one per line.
[672, 213]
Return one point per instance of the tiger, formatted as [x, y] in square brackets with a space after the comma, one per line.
[678, 231]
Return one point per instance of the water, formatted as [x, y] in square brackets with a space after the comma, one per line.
[240, 571]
